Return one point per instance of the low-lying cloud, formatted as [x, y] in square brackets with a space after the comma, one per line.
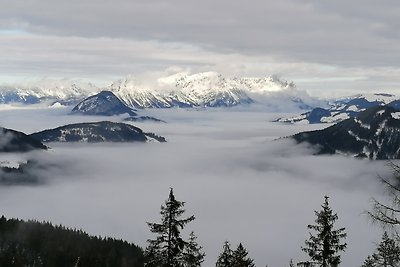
[241, 184]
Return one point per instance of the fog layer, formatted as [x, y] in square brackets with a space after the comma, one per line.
[241, 184]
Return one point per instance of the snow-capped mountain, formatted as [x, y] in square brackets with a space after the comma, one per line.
[104, 103]
[95, 132]
[373, 134]
[342, 109]
[208, 89]
[64, 91]
[181, 90]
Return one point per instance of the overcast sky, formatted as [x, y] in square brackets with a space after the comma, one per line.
[323, 46]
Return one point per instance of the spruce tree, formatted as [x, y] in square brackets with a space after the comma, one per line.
[225, 259]
[324, 245]
[241, 258]
[387, 254]
[192, 254]
[166, 250]
[369, 262]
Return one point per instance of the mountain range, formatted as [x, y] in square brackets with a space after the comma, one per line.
[207, 89]
[106, 103]
[373, 134]
[344, 108]
[65, 92]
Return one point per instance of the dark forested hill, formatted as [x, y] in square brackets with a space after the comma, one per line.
[373, 134]
[14, 141]
[92, 132]
[44, 245]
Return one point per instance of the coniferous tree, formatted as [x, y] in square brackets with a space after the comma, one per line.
[34, 244]
[168, 247]
[225, 259]
[241, 258]
[324, 245]
[192, 254]
[291, 264]
[387, 254]
[369, 262]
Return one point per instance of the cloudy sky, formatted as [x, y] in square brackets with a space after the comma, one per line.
[323, 46]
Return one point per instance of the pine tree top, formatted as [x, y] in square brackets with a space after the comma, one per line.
[324, 242]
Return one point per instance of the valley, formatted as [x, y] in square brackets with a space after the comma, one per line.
[226, 164]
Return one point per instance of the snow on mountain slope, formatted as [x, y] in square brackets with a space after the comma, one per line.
[374, 134]
[63, 91]
[209, 89]
[135, 94]
[96, 132]
[343, 108]
[104, 103]
[183, 89]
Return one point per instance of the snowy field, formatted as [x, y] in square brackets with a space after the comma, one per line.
[241, 185]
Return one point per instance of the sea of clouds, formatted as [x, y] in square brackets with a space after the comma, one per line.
[241, 181]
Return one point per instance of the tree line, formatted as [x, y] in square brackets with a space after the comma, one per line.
[169, 249]
[323, 247]
[38, 244]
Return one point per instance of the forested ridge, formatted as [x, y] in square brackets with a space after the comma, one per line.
[32, 243]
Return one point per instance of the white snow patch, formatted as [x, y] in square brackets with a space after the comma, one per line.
[10, 160]
[336, 118]
[380, 128]
[365, 126]
[353, 108]
[57, 105]
[357, 137]
[385, 98]
[396, 115]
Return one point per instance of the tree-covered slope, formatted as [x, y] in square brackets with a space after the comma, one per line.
[92, 132]
[14, 141]
[42, 244]
[373, 134]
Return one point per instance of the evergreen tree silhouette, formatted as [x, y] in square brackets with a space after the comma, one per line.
[324, 244]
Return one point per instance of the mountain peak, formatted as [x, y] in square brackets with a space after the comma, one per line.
[204, 89]
[104, 103]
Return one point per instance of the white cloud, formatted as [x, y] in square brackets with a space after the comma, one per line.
[240, 184]
[305, 40]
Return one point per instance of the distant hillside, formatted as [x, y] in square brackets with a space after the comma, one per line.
[14, 141]
[21, 174]
[63, 91]
[104, 103]
[373, 134]
[44, 245]
[342, 109]
[94, 132]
